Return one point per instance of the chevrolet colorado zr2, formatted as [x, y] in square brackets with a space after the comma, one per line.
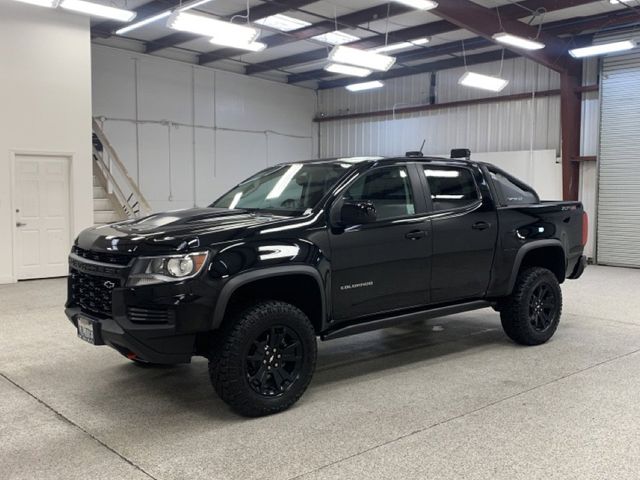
[322, 248]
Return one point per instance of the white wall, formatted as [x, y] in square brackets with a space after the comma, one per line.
[540, 169]
[45, 102]
[189, 133]
[531, 124]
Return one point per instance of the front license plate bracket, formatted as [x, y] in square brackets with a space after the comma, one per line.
[89, 330]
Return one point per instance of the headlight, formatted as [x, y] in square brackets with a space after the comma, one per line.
[170, 268]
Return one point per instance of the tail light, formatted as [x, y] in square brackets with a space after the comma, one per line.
[585, 228]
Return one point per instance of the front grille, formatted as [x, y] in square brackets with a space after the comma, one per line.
[93, 294]
[149, 315]
[103, 257]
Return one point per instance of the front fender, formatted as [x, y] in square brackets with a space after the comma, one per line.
[247, 277]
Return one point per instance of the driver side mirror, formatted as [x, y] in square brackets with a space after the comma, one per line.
[358, 213]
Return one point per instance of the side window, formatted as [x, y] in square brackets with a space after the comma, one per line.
[451, 187]
[388, 189]
[513, 192]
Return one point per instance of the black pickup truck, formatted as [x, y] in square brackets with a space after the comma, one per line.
[322, 248]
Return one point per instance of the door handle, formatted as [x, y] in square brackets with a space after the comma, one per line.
[416, 234]
[20, 224]
[481, 225]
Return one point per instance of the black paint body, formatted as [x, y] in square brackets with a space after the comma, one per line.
[353, 275]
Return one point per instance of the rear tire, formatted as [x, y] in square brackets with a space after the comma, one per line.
[266, 359]
[531, 314]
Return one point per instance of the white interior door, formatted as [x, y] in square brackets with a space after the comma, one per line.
[41, 202]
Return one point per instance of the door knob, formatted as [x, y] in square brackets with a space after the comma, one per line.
[20, 224]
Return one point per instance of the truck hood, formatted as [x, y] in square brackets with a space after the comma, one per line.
[176, 230]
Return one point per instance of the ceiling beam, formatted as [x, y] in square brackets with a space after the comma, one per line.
[107, 28]
[271, 7]
[511, 11]
[442, 106]
[485, 22]
[350, 20]
[599, 22]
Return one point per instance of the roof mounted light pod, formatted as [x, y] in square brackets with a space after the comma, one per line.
[461, 153]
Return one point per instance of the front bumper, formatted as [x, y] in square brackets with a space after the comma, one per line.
[149, 344]
[157, 323]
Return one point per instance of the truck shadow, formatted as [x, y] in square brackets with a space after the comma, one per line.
[420, 342]
[339, 360]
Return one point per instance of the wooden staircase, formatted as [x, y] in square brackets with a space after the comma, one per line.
[116, 196]
[105, 208]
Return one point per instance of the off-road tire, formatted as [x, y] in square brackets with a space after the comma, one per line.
[518, 310]
[230, 366]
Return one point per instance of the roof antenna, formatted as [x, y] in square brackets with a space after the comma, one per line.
[417, 153]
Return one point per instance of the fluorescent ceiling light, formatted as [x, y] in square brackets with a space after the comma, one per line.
[358, 87]
[361, 58]
[142, 23]
[211, 27]
[160, 16]
[98, 10]
[603, 49]
[400, 46]
[484, 82]
[41, 3]
[347, 70]
[282, 22]
[518, 42]
[419, 4]
[336, 38]
[188, 6]
[230, 42]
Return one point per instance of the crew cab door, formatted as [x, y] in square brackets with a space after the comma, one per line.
[465, 228]
[384, 265]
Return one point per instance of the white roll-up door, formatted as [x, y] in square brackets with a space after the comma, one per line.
[618, 237]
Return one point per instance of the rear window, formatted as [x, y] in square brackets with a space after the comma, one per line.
[451, 187]
[513, 191]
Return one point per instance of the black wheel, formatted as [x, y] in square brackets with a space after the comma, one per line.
[531, 314]
[266, 359]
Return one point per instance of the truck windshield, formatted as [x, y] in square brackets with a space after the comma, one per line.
[290, 189]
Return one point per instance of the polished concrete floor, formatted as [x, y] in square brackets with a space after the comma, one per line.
[449, 398]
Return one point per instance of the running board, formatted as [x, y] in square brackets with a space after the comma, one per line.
[369, 325]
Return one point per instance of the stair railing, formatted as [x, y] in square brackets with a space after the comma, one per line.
[119, 182]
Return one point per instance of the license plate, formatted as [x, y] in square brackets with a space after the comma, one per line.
[86, 330]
